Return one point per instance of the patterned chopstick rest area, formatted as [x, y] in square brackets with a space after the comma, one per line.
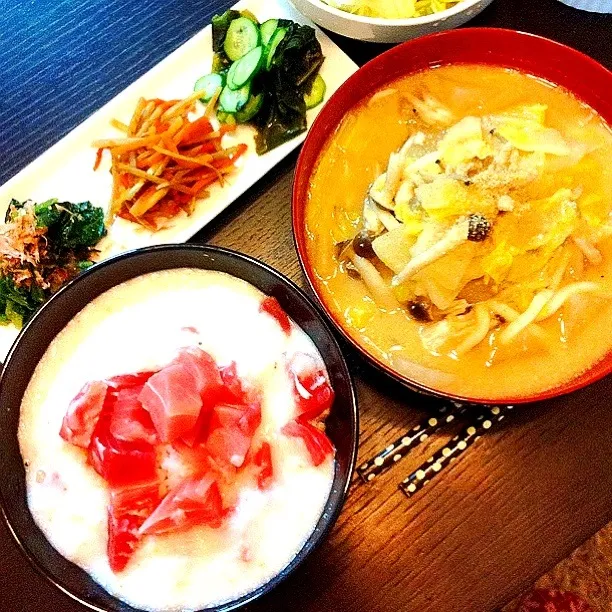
[449, 453]
[397, 450]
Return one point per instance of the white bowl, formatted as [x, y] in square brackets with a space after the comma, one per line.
[376, 29]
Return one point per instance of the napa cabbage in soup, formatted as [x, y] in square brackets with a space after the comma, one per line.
[392, 9]
[459, 226]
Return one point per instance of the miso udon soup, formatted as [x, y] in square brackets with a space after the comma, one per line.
[459, 227]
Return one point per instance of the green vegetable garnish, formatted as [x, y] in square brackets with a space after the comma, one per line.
[81, 225]
[220, 25]
[242, 36]
[277, 63]
[47, 213]
[209, 85]
[315, 96]
[16, 304]
[46, 245]
[295, 65]
[267, 30]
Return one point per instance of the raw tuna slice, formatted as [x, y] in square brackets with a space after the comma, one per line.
[172, 398]
[196, 501]
[122, 463]
[83, 413]
[199, 431]
[312, 391]
[263, 461]
[130, 422]
[271, 307]
[245, 417]
[119, 462]
[317, 443]
[128, 509]
[128, 466]
[209, 384]
[231, 431]
[127, 381]
[233, 391]
[228, 446]
[204, 369]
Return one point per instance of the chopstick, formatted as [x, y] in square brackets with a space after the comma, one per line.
[410, 439]
[451, 451]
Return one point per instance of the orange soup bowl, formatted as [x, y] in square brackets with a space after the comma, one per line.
[556, 64]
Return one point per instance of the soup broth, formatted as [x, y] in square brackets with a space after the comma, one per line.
[533, 308]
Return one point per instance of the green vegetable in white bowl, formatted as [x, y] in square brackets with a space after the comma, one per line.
[389, 21]
[392, 9]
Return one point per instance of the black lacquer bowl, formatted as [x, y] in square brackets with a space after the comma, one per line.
[342, 423]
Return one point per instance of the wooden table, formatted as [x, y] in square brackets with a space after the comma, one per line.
[520, 500]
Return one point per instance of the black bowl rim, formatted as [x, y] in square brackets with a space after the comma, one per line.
[328, 518]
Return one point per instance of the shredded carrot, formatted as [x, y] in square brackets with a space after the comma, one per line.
[164, 162]
[196, 131]
[98, 159]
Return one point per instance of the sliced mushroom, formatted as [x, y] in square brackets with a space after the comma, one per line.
[388, 220]
[371, 218]
[362, 244]
[341, 249]
[393, 179]
[418, 138]
[381, 292]
[432, 111]
[384, 189]
[456, 235]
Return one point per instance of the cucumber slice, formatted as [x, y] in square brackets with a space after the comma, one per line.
[251, 108]
[242, 36]
[209, 84]
[317, 92]
[245, 68]
[267, 30]
[231, 101]
[276, 40]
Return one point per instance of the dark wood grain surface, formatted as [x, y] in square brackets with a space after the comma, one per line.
[520, 500]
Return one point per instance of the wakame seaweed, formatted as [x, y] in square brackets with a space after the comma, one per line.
[295, 65]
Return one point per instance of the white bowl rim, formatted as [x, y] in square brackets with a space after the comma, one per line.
[461, 6]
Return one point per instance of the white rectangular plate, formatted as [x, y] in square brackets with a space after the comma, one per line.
[65, 171]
